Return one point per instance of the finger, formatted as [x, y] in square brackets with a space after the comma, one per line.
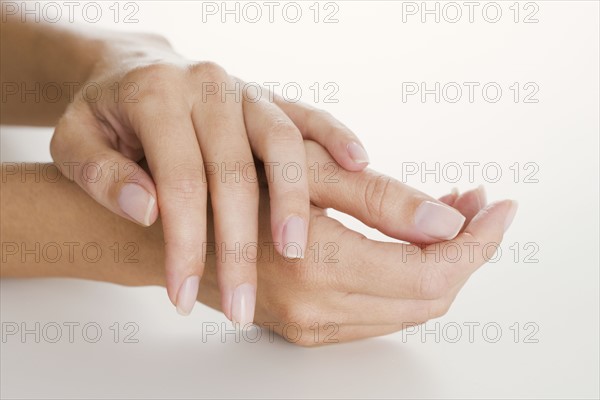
[116, 182]
[322, 127]
[409, 272]
[164, 126]
[278, 143]
[381, 202]
[470, 203]
[232, 181]
[450, 198]
[475, 246]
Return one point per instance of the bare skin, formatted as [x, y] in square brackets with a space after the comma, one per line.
[363, 287]
[124, 98]
[116, 99]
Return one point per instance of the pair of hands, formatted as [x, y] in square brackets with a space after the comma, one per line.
[185, 116]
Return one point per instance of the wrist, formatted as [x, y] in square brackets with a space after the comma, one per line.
[113, 51]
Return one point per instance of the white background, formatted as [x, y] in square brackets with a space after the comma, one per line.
[368, 54]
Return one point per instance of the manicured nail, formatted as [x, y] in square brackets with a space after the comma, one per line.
[357, 153]
[187, 295]
[136, 202]
[438, 220]
[294, 237]
[242, 304]
[481, 196]
[511, 215]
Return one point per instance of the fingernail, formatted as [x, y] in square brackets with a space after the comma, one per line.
[481, 196]
[294, 237]
[242, 304]
[136, 202]
[438, 220]
[187, 295]
[511, 215]
[357, 153]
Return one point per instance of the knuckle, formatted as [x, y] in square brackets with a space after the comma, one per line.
[282, 131]
[208, 71]
[297, 314]
[186, 182]
[56, 143]
[154, 82]
[155, 75]
[431, 284]
[59, 143]
[376, 197]
[94, 176]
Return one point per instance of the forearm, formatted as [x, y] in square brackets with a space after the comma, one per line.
[37, 56]
[44, 66]
[54, 229]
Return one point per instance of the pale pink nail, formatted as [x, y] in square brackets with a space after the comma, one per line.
[294, 237]
[136, 202]
[357, 153]
[511, 215]
[242, 304]
[438, 220]
[187, 295]
[481, 196]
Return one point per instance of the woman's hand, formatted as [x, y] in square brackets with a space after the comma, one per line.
[189, 121]
[350, 287]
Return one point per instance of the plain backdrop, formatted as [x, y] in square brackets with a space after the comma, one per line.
[538, 302]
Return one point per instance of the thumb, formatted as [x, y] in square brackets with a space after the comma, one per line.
[84, 154]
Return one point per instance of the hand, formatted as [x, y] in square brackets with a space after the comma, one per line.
[356, 287]
[369, 289]
[182, 116]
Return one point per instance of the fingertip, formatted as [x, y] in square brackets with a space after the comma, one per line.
[511, 214]
[481, 195]
[438, 220]
[498, 213]
[187, 295]
[450, 198]
[137, 203]
[470, 203]
[358, 157]
[294, 237]
[152, 211]
[243, 304]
